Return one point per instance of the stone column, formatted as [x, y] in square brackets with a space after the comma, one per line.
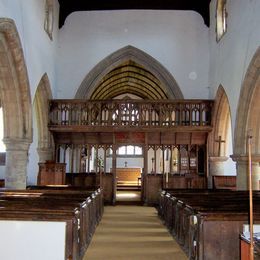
[216, 167]
[16, 163]
[243, 172]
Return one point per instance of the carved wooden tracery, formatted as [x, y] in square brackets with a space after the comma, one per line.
[137, 113]
[172, 134]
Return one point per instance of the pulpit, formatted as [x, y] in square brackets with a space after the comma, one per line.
[52, 173]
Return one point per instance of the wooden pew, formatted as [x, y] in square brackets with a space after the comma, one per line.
[58, 203]
[194, 212]
[224, 182]
[27, 212]
[95, 208]
[55, 202]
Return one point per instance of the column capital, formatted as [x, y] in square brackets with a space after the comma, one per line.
[45, 154]
[218, 158]
[13, 144]
[244, 158]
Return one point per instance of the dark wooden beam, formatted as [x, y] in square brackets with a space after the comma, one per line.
[68, 7]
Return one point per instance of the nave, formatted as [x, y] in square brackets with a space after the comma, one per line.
[132, 232]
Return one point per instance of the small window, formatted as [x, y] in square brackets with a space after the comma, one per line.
[121, 150]
[221, 19]
[49, 17]
[128, 150]
[138, 150]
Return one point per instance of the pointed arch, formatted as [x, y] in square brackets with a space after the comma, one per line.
[248, 111]
[129, 53]
[221, 120]
[16, 102]
[41, 106]
[15, 91]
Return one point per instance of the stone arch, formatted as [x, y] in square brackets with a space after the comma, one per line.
[129, 53]
[16, 102]
[248, 122]
[219, 138]
[248, 111]
[221, 121]
[41, 106]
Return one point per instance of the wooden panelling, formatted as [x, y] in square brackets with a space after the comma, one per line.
[128, 174]
[51, 173]
[153, 184]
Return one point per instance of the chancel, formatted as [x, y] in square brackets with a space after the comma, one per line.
[120, 115]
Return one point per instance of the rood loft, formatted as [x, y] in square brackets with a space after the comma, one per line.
[130, 113]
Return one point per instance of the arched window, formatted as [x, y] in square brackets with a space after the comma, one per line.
[49, 17]
[130, 150]
[221, 19]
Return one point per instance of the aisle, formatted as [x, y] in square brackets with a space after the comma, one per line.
[132, 233]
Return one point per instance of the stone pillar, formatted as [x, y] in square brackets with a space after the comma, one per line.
[243, 172]
[45, 154]
[16, 163]
[216, 168]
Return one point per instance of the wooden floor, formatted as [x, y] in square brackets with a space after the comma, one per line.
[132, 233]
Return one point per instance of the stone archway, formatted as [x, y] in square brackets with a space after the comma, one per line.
[219, 138]
[221, 122]
[16, 103]
[129, 53]
[248, 122]
[41, 108]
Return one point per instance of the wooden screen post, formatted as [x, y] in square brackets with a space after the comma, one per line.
[250, 199]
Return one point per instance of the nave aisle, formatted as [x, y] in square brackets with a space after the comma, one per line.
[132, 233]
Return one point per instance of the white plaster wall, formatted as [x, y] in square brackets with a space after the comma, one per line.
[229, 58]
[39, 53]
[177, 39]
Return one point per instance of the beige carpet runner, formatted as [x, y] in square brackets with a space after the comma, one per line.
[132, 232]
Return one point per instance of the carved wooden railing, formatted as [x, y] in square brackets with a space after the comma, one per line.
[130, 113]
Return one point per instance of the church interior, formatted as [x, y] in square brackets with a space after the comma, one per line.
[130, 130]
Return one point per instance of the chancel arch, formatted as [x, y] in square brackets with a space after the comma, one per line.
[248, 123]
[41, 108]
[142, 71]
[130, 100]
[16, 102]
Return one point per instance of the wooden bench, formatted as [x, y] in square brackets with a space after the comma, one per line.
[207, 223]
[224, 182]
[29, 212]
[80, 209]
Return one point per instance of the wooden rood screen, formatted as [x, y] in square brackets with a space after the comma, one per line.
[170, 134]
[130, 113]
